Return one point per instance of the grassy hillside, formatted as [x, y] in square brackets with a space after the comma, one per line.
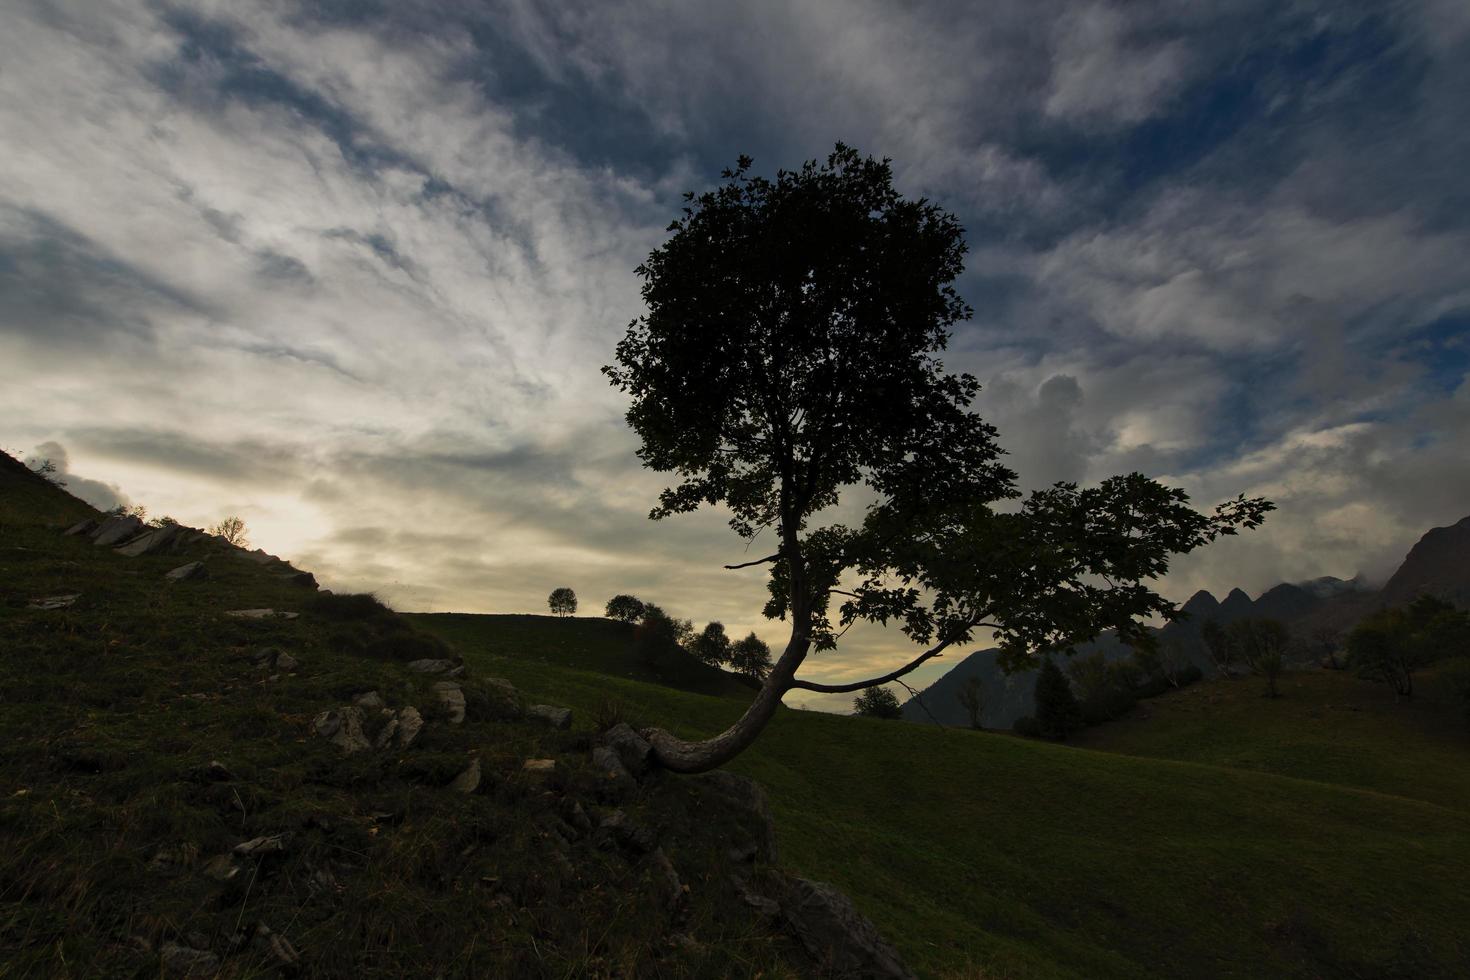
[987, 855]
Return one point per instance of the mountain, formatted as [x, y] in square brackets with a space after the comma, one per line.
[1438, 564]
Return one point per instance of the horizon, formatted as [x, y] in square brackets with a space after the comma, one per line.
[352, 277]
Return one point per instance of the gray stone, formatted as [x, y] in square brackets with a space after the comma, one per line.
[539, 766]
[343, 727]
[155, 541]
[504, 700]
[435, 667]
[748, 795]
[451, 696]
[261, 846]
[469, 780]
[260, 614]
[841, 939]
[387, 732]
[182, 961]
[284, 661]
[615, 780]
[55, 601]
[185, 573]
[259, 556]
[631, 747]
[81, 527]
[410, 723]
[116, 529]
[372, 699]
[765, 906]
[557, 718]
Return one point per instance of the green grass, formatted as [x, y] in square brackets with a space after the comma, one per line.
[983, 854]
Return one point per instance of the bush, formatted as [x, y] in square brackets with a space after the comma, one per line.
[348, 606]
[625, 608]
[877, 702]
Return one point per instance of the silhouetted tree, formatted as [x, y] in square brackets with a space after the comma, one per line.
[1217, 644]
[1057, 711]
[711, 645]
[751, 657]
[877, 702]
[1261, 645]
[563, 601]
[232, 529]
[1391, 645]
[972, 698]
[625, 608]
[791, 351]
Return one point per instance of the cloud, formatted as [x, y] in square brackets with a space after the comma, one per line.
[103, 496]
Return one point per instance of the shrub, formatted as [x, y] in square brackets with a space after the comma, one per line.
[348, 606]
[625, 608]
[877, 702]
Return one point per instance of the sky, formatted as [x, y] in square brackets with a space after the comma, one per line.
[349, 270]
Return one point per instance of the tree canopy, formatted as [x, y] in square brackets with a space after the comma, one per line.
[877, 702]
[563, 601]
[791, 351]
[625, 608]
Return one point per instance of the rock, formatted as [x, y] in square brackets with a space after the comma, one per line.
[539, 766]
[116, 529]
[259, 556]
[186, 573]
[372, 699]
[748, 795]
[469, 780]
[81, 527]
[260, 614]
[666, 879]
[557, 718]
[387, 733]
[182, 961]
[261, 846]
[221, 867]
[284, 661]
[159, 539]
[451, 697]
[576, 817]
[170, 862]
[343, 727]
[302, 580]
[410, 723]
[765, 906]
[616, 782]
[840, 938]
[633, 749]
[55, 601]
[436, 667]
[627, 833]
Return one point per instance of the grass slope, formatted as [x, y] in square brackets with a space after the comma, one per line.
[982, 854]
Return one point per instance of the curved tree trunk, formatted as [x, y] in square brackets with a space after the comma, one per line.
[678, 755]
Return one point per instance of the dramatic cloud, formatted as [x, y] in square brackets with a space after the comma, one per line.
[349, 271]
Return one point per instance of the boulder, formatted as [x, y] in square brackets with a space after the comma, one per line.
[261, 846]
[410, 723]
[81, 527]
[451, 697]
[631, 747]
[183, 961]
[469, 780]
[372, 699]
[117, 529]
[388, 732]
[302, 580]
[284, 661]
[557, 718]
[623, 830]
[187, 573]
[615, 780]
[155, 541]
[343, 727]
[747, 795]
[843, 941]
[504, 700]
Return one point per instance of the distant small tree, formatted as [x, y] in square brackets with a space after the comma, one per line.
[751, 657]
[1391, 645]
[1261, 644]
[625, 608]
[129, 510]
[877, 702]
[1217, 644]
[47, 468]
[1090, 675]
[1172, 661]
[1323, 643]
[164, 521]
[563, 601]
[233, 530]
[972, 698]
[1057, 712]
[711, 645]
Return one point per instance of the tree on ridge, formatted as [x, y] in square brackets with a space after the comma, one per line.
[563, 601]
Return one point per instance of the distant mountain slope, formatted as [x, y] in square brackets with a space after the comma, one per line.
[1438, 564]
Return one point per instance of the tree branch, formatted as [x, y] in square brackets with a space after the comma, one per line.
[758, 561]
[909, 667]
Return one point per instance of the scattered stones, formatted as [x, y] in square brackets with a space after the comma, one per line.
[260, 614]
[557, 718]
[451, 696]
[170, 862]
[839, 937]
[448, 667]
[81, 527]
[372, 699]
[116, 529]
[182, 961]
[261, 846]
[187, 573]
[55, 601]
[469, 780]
[163, 538]
[343, 727]
[616, 782]
[410, 723]
[539, 766]
[633, 749]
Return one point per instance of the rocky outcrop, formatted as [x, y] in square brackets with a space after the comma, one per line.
[559, 719]
[116, 529]
[840, 939]
[193, 571]
[451, 699]
[164, 538]
[343, 728]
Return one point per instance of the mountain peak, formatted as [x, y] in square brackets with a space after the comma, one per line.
[1436, 565]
